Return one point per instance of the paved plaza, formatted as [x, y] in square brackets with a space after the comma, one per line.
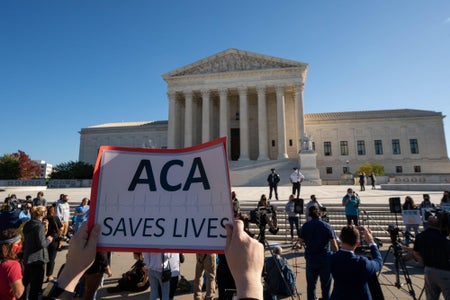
[326, 194]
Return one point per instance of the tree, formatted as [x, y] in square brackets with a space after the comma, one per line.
[73, 170]
[28, 168]
[368, 168]
[9, 167]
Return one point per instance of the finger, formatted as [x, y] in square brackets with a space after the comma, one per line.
[238, 227]
[229, 229]
[93, 237]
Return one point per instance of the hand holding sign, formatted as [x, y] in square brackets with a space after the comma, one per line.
[162, 199]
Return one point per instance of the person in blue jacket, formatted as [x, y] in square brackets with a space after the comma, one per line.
[351, 272]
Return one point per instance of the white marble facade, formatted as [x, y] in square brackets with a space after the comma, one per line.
[257, 102]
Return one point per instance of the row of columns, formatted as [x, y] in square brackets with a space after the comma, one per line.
[243, 119]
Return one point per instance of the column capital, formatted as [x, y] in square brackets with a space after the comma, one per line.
[172, 95]
[222, 91]
[279, 89]
[242, 90]
[299, 87]
[205, 93]
[261, 89]
[188, 93]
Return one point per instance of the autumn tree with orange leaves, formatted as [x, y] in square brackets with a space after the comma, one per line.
[18, 166]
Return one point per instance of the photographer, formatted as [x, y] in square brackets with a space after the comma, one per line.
[351, 203]
[433, 249]
[265, 215]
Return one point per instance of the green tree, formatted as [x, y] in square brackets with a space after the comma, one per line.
[9, 167]
[73, 170]
[368, 168]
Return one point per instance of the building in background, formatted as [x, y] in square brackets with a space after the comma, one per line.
[46, 168]
[256, 101]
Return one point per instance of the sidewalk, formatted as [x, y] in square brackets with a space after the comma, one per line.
[325, 194]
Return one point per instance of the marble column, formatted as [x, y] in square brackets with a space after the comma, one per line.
[300, 113]
[223, 117]
[205, 116]
[188, 119]
[171, 130]
[281, 124]
[243, 123]
[262, 123]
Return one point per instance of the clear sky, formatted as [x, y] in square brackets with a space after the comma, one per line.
[66, 65]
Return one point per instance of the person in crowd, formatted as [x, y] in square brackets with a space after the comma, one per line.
[35, 253]
[54, 229]
[312, 202]
[410, 205]
[351, 202]
[424, 208]
[362, 181]
[92, 278]
[25, 212]
[135, 279]
[63, 213]
[293, 217]
[296, 180]
[39, 200]
[431, 247]
[225, 282]
[273, 273]
[9, 216]
[373, 180]
[267, 216]
[11, 286]
[174, 263]
[351, 272]
[273, 179]
[445, 201]
[205, 263]
[156, 264]
[319, 239]
[236, 205]
[81, 214]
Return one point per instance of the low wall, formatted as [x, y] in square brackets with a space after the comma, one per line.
[69, 183]
[41, 184]
[22, 183]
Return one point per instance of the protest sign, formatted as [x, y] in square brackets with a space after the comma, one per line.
[171, 200]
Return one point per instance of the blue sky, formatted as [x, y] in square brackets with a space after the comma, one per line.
[66, 65]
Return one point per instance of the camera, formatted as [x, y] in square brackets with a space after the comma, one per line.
[393, 233]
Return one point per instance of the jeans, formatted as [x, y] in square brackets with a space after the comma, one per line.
[318, 267]
[407, 233]
[350, 218]
[33, 276]
[155, 280]
[294, 221]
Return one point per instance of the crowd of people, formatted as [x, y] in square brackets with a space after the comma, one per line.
[33, 230]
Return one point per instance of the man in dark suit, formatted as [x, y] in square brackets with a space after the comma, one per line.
[351, 272]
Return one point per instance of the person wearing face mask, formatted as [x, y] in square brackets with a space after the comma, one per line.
[11, 286]
[351, 203]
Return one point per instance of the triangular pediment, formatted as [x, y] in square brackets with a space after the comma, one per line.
[233, 60]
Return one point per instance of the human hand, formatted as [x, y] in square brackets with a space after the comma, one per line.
[81, 255]
[245, 257]
[366, 234]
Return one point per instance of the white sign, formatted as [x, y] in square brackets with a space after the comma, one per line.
[171, 200]
[411, 217]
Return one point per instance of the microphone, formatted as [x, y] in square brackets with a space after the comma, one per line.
[364, 212]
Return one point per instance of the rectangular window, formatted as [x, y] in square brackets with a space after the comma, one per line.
[327, 148]
[396, 146]
[378, 147]
[314, 146]
[414, 146]
[361, 147]
[398, 169]
[417, 169]
[346, 170]
[290, 143]
[329, 170]
[344, 148]
[273, 143]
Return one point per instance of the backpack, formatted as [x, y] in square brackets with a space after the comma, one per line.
[289, 277]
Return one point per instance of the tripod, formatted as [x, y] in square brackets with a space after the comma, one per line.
[399, 264]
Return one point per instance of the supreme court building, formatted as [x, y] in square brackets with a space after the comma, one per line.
[256, 101]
